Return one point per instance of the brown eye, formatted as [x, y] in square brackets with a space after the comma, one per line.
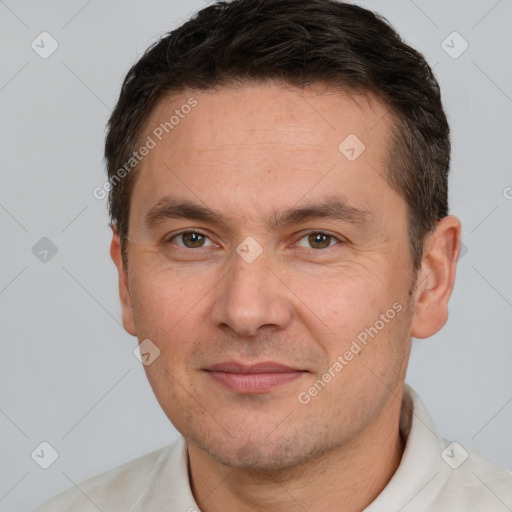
[190, 240]
[318, 240]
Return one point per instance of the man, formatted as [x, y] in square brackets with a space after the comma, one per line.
[278, 194]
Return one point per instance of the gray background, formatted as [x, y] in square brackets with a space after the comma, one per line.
[67, 372]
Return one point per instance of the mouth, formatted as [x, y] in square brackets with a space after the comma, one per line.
[253, 379]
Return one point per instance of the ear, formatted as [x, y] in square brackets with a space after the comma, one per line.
[124, 288]
[436, 278]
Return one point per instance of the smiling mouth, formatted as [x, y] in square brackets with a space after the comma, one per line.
[257, 378]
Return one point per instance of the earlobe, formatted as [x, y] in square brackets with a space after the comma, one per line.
[436, 278]
[124, 287]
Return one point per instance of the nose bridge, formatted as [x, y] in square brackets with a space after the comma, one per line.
[251, 295]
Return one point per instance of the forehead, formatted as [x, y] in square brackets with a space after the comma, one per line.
[271, 111]
[265, 144]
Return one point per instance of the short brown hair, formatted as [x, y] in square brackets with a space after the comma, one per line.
[298, 42]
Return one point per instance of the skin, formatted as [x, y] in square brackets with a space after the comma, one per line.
[249, 152]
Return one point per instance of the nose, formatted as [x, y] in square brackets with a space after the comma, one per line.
[251, 296]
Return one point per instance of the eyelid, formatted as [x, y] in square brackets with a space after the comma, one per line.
[300, 236]
[340, 239]
[170, 239]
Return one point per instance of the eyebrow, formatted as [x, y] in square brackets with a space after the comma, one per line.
[168, 208]
[329, 208]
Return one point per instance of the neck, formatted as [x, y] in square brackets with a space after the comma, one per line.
[352, 475]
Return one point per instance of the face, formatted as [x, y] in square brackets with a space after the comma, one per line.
[270, 265]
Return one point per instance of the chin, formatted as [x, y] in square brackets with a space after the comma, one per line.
[266, 454]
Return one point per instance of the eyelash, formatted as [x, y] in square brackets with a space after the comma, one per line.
[176, 235]
[199, 232]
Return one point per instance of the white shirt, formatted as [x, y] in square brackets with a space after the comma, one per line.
[434, 475]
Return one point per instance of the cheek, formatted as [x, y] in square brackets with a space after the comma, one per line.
[167, 308]
[165, 299]
[340, 298]
[344, 304]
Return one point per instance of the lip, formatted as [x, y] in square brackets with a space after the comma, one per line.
[264, 367]
[255, 378]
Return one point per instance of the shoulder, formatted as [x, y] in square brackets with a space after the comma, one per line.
[477, 484]
[441, 476]
[119, 488]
